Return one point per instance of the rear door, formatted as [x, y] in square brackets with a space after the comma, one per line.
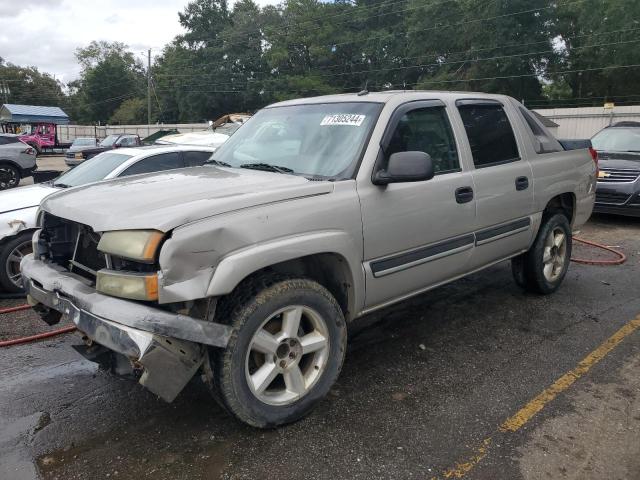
[502, 180]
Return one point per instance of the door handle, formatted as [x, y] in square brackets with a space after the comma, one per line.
[464, 194]
[522, 183]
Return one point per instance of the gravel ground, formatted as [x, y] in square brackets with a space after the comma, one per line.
[425, 383]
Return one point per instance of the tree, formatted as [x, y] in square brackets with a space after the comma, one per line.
[110, 75]
[132, 111]
[28, 86]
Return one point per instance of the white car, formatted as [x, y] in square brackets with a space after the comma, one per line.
[202, 137]
[18, 207]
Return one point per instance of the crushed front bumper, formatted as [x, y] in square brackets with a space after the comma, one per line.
[168, 347]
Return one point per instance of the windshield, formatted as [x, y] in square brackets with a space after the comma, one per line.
[82, 142]
[315, 139]
[617, 140]
[92, 170]
[108, 141]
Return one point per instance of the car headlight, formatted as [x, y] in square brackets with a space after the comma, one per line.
[140, 245]
[135, 286]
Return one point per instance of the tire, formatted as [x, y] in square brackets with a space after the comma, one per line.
[543, 268]
[11, 253]
[265, 345]
[9, 176]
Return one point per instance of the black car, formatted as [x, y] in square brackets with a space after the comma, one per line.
[618, 148]
[116, 140]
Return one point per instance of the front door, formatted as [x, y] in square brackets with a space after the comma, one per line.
[418, 234]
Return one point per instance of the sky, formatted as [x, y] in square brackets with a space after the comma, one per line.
[46, 33]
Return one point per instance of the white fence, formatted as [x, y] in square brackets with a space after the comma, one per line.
[68, 133]
[586, 121]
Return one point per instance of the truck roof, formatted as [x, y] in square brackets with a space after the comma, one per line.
[386, 96]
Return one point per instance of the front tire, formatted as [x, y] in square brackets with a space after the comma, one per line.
[543, 268]
[285, 353]
[9, 177]
[11, 254]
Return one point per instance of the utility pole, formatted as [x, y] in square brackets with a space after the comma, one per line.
[148, 91]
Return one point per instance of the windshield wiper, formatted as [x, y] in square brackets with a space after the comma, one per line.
[61, 185]
[266, 167]
[217, 162]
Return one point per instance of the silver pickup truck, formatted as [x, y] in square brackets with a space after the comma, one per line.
[314, 213]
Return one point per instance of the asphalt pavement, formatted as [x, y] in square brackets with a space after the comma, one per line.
[473, 380]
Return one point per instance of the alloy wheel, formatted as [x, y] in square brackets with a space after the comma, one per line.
[287, 355]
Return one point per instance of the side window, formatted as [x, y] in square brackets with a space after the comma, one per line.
[490, 134]
[427, 130]
[195, 159]
[544, 144]
[127, 142]
[163, 161]
[4, 140]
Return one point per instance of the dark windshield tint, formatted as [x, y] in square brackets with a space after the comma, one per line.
[92, 170]
[617, 140]
[314, 139]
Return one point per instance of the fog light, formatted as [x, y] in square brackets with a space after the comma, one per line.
[135, 286]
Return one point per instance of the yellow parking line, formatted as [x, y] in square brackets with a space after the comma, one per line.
[525, 414]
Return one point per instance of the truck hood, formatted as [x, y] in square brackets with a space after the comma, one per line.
[24, 197]
[166, 200]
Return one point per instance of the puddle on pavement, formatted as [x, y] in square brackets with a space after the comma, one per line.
[150, 451]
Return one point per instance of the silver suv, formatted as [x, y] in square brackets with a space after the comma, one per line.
[314, 213]
[17, 160]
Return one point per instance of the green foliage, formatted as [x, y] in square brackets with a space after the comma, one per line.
[240, 56]
[28, 86]
[130, 112]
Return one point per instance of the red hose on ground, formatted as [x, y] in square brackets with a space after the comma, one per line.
[14, 309]
[33, 338]
[616, 261]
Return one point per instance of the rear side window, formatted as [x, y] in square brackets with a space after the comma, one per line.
[156, 163]
[490, 134]
[195, 159]
[545, 143]
[427, 130]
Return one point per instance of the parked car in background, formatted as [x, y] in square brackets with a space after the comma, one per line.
[618, 148]
[314, 213]
[218, 132]
[117, 140]
[17, 160]
[79, 145]
[18, 207]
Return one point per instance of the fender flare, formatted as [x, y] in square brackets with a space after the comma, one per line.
[238, 265]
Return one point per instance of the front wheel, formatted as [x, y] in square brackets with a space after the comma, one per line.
[11, 254]
[285, 353]
[543, 268]
[9, 177]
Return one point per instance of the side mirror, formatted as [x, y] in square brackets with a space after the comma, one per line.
[405, 167]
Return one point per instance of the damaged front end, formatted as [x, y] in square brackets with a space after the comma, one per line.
[163, 349]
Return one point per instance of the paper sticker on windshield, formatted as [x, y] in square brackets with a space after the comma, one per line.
[343, 119]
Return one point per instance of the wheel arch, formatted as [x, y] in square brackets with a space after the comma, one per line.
[338, 269]
[564, 203]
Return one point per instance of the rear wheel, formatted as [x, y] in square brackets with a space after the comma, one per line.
[9, 177]
[543, 268]
[285, 353]
[11, 255]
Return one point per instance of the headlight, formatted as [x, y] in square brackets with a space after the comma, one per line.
[140, 245]
[136, 286]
